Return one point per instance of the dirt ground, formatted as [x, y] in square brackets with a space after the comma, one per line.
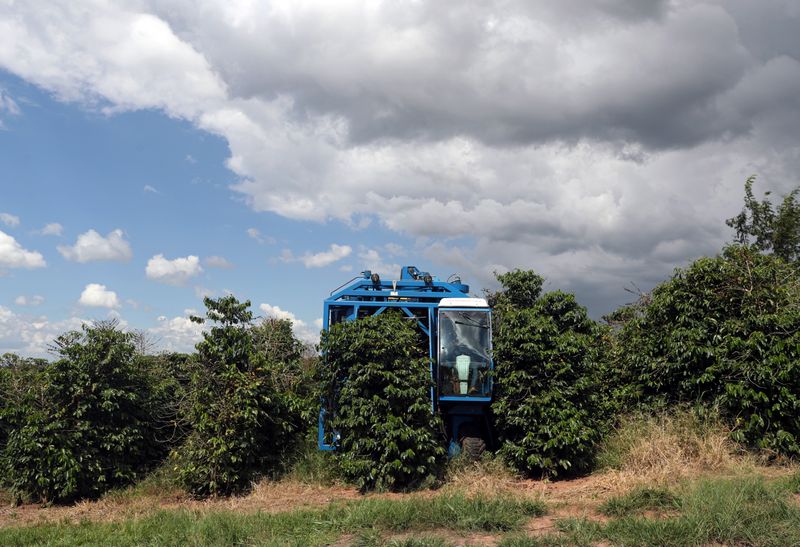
[579, 498]
[266, 497]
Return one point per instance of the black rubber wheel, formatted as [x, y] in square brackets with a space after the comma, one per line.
[473, 447]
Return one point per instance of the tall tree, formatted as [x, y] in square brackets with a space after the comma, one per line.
[770, 229]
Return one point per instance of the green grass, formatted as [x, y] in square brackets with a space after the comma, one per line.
[746, 511]
[308, 527]
[373, 538]
[791, 483]
[310, 465]
[743, 511]
[638, 501]
[157, 483]
[573, 532]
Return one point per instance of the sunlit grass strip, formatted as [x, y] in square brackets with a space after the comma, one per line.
[745, 511]
[307, 527]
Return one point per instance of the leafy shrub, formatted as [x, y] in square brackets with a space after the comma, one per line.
[80, 425]
[546, 408]
[169, 376]
[5, 380]
[18, 375]
[376, 377]
[293, 367]
[238, 418]
[725, 331]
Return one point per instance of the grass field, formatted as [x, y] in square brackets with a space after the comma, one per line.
[670, 481]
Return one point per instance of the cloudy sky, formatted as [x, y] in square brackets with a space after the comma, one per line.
[155, 152]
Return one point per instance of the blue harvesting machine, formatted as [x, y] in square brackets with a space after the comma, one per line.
[459, 334]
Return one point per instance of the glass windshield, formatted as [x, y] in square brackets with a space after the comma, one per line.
[464, 345]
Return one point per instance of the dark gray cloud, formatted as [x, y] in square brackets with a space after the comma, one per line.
[504, 73]
[599, 143]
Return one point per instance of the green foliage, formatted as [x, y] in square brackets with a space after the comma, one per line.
[521, 289]
[725, 332]
[16, 373]
[546, 404]
[5, 380]
[310, 465]
[240, 422]
[771, 229]
[80, 425]
[376, 375]
[276, 341]
[293, 367]
[169, 375]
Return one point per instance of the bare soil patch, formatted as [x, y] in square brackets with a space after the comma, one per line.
[268, 497]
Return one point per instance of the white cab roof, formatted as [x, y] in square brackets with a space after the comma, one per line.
[463, 303]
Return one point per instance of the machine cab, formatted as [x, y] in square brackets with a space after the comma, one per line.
[464, 350]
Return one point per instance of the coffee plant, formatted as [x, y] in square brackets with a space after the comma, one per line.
[726, 332]
[240, 423]
[376, 379]
[547, 405]
[82, 424]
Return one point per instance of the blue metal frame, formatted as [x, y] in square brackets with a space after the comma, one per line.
[415, 290]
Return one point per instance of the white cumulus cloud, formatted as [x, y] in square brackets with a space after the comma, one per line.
[370, 259]
[51, 229]
[9, 220]
[321, 259]
[98, 296]
[255, 233]
[173, 272]
[92, 247]
[176, 333]
[13, 255]
[218, 262]
[31, 336]
[34, 300]
[7, 105]
[597, 142]
[300, 328]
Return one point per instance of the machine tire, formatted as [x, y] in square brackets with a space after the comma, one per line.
[473, 448]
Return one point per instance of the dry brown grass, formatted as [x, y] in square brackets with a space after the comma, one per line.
[489, 477]
[266, 496]
[670, 448]
[668, 451]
